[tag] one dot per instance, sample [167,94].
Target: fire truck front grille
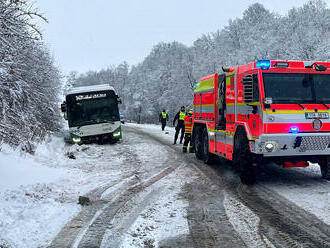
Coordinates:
[314,143]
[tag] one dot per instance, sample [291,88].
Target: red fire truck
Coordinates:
[265,111]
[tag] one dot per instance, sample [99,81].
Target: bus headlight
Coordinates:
[116,134]
[76,139]
[270,146]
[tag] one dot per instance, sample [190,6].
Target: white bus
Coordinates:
[93,115]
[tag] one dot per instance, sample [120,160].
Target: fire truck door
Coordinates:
[220,135]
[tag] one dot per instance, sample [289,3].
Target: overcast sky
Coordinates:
[90,35]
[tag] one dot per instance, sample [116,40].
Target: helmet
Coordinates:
[190,112]
[183,108]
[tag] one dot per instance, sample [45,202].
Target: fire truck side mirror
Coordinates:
[267,102]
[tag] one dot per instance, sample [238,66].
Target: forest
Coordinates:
[164,79]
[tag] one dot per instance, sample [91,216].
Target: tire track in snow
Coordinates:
[245,222]
[282,222]
[208,223]
[94,234]
[71,230]
[68,234]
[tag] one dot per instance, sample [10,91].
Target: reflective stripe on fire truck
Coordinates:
[207,108]
[232,134]
[292,112]
[289,118]
[205,91]
[222,131]
[221,136]
[244,104]
[206,85]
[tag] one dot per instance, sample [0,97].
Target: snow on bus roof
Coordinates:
[91,88]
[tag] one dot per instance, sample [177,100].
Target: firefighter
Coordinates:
[180,125]
[188,125]
[163,118]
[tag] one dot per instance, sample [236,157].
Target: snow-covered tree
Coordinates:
[165,77]
[29,81]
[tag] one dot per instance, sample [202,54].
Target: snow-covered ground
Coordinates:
[302,186]
[39,193]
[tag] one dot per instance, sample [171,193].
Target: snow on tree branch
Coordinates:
[29,81]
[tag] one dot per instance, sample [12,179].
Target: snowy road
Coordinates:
[145,193]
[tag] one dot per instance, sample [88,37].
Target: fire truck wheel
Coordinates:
[208,157]
[325,168]
[198,142]
[243,158]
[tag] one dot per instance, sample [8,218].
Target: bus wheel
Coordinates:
[243,158]
[208,157]
[198,143]
[325,168]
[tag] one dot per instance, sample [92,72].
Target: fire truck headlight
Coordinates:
[271,118]
[270,146]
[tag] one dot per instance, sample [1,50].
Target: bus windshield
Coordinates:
[92,108]
[297,87]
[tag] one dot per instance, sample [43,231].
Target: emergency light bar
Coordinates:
[263,64]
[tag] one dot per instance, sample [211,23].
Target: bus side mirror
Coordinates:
[63,107]
[119,100]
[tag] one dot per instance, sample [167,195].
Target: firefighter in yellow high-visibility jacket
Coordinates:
[188,125]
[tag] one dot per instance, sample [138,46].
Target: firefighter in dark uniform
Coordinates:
[163,118]
[188,125]
[180,125]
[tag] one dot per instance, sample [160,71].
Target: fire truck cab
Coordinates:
[265,111]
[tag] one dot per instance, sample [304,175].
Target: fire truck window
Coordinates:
[288,87]
[321,83]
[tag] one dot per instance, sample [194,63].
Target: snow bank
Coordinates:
[18,170]
[39,194]
[32,208]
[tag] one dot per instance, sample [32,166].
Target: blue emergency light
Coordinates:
[294,130]
[263,64]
